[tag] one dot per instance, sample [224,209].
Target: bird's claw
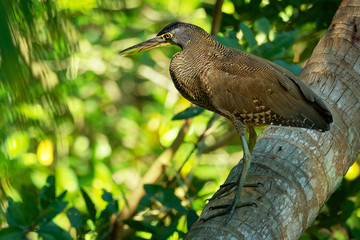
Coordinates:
[226,189]
[227,209]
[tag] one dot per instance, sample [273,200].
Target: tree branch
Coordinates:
[298,168]
[217,15]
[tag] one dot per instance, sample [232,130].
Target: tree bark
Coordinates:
[299,169]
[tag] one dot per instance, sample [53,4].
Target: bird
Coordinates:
[248,90]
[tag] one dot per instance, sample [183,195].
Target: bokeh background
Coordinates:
[81,125]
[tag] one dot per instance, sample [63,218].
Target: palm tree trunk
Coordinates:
[299,169]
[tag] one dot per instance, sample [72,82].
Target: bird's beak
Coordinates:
[155,42]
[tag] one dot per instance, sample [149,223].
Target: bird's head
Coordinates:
[177,33]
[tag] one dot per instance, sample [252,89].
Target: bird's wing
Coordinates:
[310,96]
[246,84]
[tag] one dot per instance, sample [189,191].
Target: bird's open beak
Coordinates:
[155,42]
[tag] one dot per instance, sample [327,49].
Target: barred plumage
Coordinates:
[227,81]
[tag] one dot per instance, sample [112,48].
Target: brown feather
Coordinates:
[237,84]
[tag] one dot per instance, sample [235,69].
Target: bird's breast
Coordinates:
[186,72]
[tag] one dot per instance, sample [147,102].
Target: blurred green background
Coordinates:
[81,125]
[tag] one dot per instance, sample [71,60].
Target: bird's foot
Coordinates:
[228,209]
[228,188]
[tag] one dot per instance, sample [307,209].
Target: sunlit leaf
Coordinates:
[45,152]
[66,178]
[77,5]
[353,172]
[17,144]
[33,111]
[262,25]
[30,158]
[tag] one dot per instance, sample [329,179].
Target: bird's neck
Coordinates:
[200,42]
[188,65]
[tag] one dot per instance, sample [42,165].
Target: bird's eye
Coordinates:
[167,36]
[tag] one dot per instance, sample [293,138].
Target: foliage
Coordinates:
[34,216]
[190,112]
[73,109]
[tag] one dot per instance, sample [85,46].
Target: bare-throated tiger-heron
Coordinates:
[248,90]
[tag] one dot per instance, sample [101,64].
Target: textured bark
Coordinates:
[299,169]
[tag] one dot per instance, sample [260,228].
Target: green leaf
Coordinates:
[192,217]
[51,211]
[188,113]
[75,217]
[89,205]
[112,206]
[197,183]
[12,233]
[61,196]
[47,193]
[292,67]
[262,25]
[347,209]
[165,196]
[140,226]
[353,223]
[14,214]
[29,204]
[248,35]
[51,231]
[277,48]
[285,40]
[160,232]
[337,199]
[230,40]
[163,233]
[354,187]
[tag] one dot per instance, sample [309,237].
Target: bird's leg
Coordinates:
[252,138]
[246,164]
[240,179]
[229,187]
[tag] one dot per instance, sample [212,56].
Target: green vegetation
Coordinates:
[80,125]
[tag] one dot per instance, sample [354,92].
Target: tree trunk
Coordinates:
[299,169]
